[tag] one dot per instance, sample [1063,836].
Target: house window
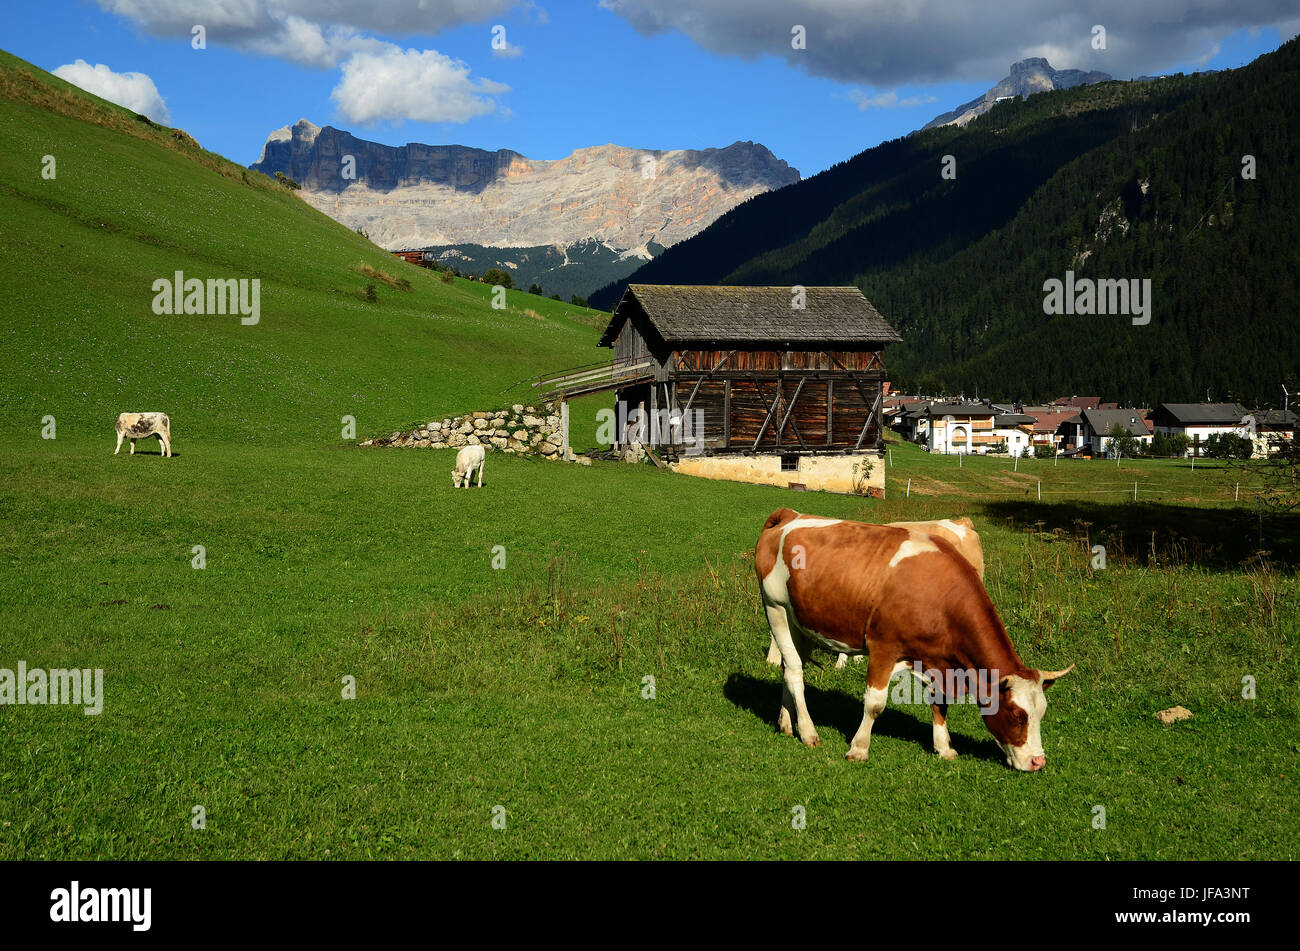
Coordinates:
[790,462]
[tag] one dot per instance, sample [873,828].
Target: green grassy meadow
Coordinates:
[524,686]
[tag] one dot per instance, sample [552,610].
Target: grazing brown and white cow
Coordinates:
[960,532]
[904,597]
[135,426]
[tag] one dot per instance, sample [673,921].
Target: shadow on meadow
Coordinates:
[1153,533]
[841,710]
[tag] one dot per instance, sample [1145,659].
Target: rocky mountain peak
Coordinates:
[419,195]
[1031,64]
[1026,77]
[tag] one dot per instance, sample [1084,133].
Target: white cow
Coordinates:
[135,426]
[467,460]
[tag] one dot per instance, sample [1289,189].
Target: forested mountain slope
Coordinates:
[1133,181]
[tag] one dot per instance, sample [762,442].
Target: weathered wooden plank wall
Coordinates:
[778,360]
[751,402]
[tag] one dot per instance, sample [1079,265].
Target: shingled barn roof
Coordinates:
[759,315]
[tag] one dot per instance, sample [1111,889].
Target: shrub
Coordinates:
[1163,447]
[1228,446]
[1122,442]
[494,275]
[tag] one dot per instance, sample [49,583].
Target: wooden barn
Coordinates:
[420,258]
[767,376]
[744,371]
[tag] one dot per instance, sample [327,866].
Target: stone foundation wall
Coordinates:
[522,430]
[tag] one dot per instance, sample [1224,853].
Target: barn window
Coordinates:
[790,462]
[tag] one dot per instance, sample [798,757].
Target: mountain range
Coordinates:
[445,197]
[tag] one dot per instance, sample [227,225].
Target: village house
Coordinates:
[969,427]
[1094,428]
[1273,428]
[960,427]
[912,422]
[1069,435]
[1046,427]
[1016,431]
[1077,403]
[1199,421]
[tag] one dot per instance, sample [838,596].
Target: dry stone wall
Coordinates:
[521,430]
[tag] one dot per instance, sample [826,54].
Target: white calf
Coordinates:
[467,460]
[135,426]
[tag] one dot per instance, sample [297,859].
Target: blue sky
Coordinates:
[672,74]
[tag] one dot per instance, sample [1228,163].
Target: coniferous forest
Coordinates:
[1190,181]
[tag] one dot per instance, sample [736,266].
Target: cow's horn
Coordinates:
[1046,676]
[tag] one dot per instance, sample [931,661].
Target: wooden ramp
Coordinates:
[593,378]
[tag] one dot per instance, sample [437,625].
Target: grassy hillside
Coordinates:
[132,202]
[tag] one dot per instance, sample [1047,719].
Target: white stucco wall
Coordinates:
[824,473]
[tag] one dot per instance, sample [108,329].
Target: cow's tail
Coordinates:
[779,518]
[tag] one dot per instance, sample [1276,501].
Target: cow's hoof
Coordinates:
[856,756]
[813,740]
[947,754]
[785,729]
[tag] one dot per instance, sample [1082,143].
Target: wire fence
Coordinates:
[1138,490]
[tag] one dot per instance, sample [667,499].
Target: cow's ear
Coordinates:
[1049,677]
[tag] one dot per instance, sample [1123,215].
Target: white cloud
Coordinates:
[423,85]
[316,33]
[309,44]
[135,91]
[886,100]
[888,43]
